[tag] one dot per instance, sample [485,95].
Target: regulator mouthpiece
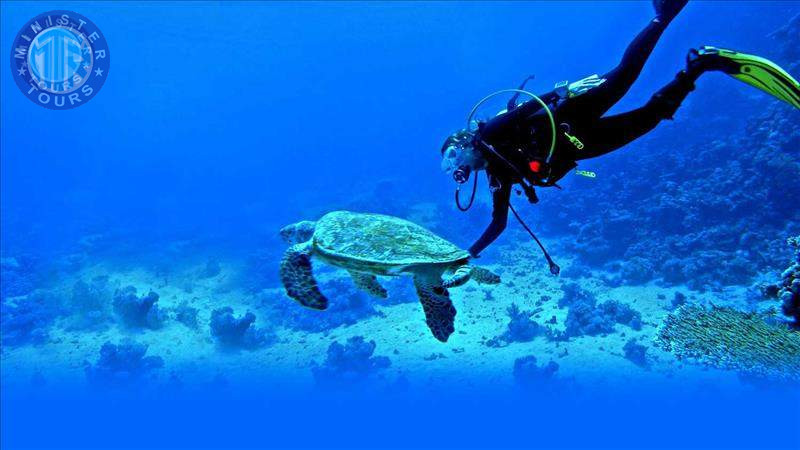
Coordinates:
[461,175]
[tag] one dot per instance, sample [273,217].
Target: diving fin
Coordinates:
[754,70]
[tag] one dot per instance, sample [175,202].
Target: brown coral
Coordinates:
[729,339]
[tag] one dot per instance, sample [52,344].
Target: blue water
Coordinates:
[220,123]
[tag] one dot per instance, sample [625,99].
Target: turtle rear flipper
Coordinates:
[368,283]
[298,279]
[440,313]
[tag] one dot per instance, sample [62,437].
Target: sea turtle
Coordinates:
[367,245]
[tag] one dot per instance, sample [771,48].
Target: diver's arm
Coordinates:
[500,200]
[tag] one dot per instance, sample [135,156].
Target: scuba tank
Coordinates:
[541,168]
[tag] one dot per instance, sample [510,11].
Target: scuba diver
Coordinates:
[537,142]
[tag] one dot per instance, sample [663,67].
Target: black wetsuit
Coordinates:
[524,132]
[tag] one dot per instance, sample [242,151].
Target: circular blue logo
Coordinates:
[60,59]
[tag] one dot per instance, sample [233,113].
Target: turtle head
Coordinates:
[459,275]
[297,233]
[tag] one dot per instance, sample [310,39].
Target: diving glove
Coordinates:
[753,70]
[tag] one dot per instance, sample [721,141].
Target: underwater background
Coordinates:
[141,303]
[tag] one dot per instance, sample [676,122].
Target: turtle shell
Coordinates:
[380,239]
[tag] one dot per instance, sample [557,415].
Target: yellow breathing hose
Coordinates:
[533,96]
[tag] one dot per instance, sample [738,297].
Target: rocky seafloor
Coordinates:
[197,324]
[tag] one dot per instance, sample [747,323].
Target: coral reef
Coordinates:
[528,374]
[138,312]
[636,270]
[350,362]
[572,294]
[621,314]
[186,315]
[730,339]
[521,328]
[122,365]
[26,319]
[240,332]
[587,317]
[90,304]
[17,276]
[636,353]
[678,300]
[582,319]
[789,292]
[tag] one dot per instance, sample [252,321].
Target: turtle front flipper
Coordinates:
[484,276]
[440,313]
[368,283]
[298,279]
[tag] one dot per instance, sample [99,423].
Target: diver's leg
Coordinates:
[597,101]
[610,133]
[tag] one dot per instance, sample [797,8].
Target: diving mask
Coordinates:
[455,161]
[457,156]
